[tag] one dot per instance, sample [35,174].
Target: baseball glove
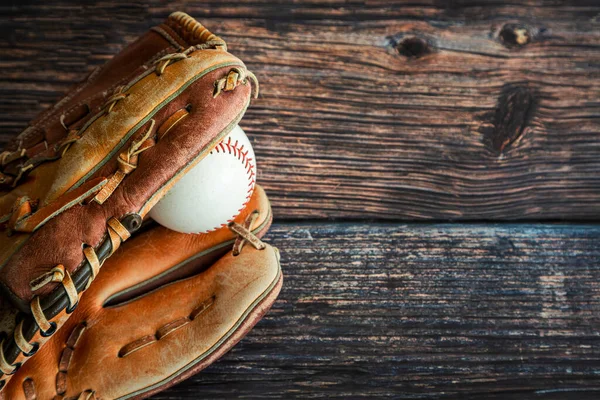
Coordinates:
[81,178]
[163,307]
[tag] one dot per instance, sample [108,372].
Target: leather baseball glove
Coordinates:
[163,307]
[81,178]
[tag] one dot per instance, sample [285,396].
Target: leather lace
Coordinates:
[117,233]
[244,235]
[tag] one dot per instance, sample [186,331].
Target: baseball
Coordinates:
[212,193]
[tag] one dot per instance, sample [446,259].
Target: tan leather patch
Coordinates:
[189,29]
[22,210]
[171,122]
[29,389]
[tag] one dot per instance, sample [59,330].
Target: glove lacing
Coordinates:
[245,235]
[117,233]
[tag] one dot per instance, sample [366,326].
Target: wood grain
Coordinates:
[382,109]
[422,311]
[391,110]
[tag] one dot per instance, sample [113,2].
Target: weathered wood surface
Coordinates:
[415,311]
[379,109]
[391,110]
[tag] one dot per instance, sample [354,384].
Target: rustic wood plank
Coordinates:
[380,109]
[422,311]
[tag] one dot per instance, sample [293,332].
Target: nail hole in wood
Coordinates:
[413,47]
[514,35]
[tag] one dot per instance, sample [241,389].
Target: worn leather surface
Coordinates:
[189,82]
[233,293]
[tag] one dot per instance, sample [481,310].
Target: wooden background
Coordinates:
[379,123]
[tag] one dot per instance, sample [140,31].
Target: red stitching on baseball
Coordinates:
[239,153]
[233,149]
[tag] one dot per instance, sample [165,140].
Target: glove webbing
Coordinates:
[116,234]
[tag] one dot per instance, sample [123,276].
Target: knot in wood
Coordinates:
[514,110]
[514,35]
[413,47]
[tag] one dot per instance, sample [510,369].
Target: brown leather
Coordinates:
[49,181]
[140,346]
[75,146]
[157,170]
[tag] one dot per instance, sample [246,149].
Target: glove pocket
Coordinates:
[164,336]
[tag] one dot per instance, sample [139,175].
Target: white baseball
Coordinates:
[214,191]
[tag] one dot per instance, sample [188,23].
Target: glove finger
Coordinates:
[160,255]
[167,335]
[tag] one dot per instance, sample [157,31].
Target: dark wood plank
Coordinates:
[380,109]
[420,311]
